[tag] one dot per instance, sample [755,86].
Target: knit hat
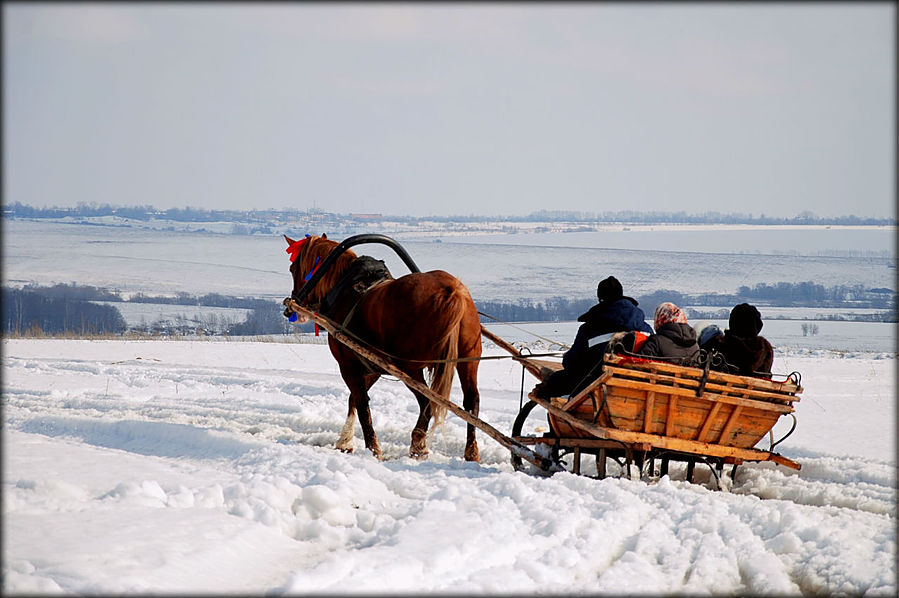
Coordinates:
[745,321]
[707,332]
[609,289]
[667,313]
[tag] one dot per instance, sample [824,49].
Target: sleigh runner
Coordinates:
[636,410]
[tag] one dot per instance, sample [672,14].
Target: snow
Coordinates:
[207,466]
[163,262]
[144,315]
[716,238]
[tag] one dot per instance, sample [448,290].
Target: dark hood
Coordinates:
[682,334]
[622,314]
[604,307]
[745,321]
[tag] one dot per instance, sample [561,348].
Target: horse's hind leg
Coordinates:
[471,400]
[419,447]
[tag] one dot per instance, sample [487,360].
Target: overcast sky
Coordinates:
[453,109]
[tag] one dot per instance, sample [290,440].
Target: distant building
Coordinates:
[366,216]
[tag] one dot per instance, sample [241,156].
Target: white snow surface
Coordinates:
[132,260]
[198,466]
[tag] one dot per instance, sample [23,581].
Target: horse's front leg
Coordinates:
[345,441]
[362,408]
[358,405]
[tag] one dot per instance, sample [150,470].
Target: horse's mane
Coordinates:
[319,247]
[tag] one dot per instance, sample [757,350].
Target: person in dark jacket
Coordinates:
[674,340]
[709,336]
[743,349]
[582,363]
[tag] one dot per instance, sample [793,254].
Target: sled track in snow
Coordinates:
[272,429]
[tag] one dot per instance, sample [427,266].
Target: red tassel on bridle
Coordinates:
[294,248]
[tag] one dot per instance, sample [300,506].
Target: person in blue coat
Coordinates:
[582,363]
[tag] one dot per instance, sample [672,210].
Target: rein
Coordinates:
[294,307]
[293,304]
[543,338]
[318,273]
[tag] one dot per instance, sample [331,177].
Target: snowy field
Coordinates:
[209,467]
[162,262]
[797,240]
[142,315]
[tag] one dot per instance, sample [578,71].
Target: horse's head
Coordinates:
[306,255]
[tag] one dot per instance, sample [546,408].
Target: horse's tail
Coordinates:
[451,309]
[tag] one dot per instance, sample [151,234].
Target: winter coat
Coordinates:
[599,324]
[582,363]
[749,355]
[675,342]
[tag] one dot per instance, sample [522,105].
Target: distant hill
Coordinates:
[262,217]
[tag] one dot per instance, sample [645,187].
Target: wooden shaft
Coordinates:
[517,448]
[533,368]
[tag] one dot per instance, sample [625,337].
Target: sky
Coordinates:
[453,109]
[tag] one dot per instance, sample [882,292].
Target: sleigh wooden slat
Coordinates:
[660,398]
[694,412]
[717,382]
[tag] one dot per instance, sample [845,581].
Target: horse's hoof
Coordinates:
[419,448]
[345,449]
[472,454]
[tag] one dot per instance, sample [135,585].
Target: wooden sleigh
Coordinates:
[637,409]
[640,410]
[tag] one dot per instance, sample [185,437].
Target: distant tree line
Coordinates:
[781,294]
[810,294]
[75,309]
[30,312]
[207,300]
[188,214]
[635,217]
[74,292]
[784,294]
[91,293]
[554,309]
[268,319]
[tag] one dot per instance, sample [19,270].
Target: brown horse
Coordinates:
[424,320]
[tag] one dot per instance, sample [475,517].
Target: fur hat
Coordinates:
[745,320]
[668,313]
[609,289]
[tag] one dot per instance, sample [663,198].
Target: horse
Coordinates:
[421,321]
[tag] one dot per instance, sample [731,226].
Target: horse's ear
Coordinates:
[324,235]
[289,240]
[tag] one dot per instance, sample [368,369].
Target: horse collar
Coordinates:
[364,273]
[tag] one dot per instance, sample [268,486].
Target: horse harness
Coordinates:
[364,274]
